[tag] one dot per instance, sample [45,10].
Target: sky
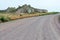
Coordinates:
[50,5]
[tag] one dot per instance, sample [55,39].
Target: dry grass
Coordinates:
[18,16]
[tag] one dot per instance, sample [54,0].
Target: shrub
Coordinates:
[0,20]
[20,14]
[4,19]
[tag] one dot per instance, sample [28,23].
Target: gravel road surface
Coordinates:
[35,28]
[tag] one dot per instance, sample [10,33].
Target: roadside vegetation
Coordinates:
[5,17]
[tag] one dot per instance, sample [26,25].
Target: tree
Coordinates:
[10,9]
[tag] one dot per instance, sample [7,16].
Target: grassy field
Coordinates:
[4,17]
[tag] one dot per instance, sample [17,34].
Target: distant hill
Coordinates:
[28,9]
[24,9]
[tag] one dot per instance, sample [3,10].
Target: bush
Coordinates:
[0,20]
[4,19]
[20,14]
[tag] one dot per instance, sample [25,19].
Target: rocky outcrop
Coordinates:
[24,9]
[29,9]
[41,10]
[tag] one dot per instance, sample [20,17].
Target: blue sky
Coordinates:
[51,5]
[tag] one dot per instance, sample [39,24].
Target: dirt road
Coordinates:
[35,28]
